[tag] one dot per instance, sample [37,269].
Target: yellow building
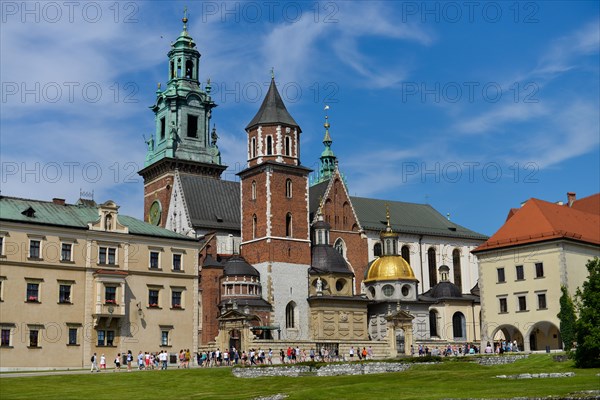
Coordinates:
[78,279]
[541,247]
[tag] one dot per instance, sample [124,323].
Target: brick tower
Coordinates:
[274,209]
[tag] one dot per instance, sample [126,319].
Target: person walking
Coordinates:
[94,361]
[118,362]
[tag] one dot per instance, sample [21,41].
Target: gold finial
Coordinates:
[158,85]
[185,18]
[272,72]
[326,125]
[387,214]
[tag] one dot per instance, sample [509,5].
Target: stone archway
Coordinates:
[509,333]
[544,336]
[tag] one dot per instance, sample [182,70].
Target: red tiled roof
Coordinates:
[590,204]
[539,220]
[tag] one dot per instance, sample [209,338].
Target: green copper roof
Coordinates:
[75,216]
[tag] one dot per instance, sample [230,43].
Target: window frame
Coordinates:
[521,303]
[10,330]
[110,254]
[70,297]
[503,305]
[519,273]
[34,337]
[542,301]
[39,249]
[154,260]
[153,297]
[62,252]
[180,267]
[539,270]
[174,305]
[108,290]
[500,271]
[30,296]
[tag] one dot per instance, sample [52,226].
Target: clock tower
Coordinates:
[182,142]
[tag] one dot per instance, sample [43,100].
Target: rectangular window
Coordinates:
[162,128]
[72,336]
[153,298]
[541,301]
[503,305]
[176,262]
[33,337]
[522,303]
[154,257]
[101,338]
[520,272]
[110,338]
[192,126]
[501,277]
[5,338]
[164,338]
[33,292]
[539,270]
[107,255]
[64,294]
[1,245]
[176,299]
[66,252]
[106,338]
[110,294]
[34,249]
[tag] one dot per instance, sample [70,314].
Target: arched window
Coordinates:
[377,250]
[179,67]
[254,226]
[288,188]
[253,148]
[172,69]
[406,253]
[269,145]
[456,267]
[458,325]
[288,225]
[288,147]
[432,267]
[253,190]
[189,69]
[339,246]
[433,316]
[290,311]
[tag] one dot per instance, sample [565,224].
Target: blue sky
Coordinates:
[472,107]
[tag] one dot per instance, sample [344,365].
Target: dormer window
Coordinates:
[29,213]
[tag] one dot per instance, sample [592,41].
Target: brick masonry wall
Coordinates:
[210,278]
[159,189]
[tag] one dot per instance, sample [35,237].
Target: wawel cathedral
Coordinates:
[287,256]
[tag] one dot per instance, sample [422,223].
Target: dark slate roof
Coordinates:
[444,290]
[75,216]
[212,203]
[209,261]
[326,259]
[272,110]
[408,218]
[237,266]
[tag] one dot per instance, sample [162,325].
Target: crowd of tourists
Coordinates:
[147,361]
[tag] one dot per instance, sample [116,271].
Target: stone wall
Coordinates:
[500,360]
[327,370]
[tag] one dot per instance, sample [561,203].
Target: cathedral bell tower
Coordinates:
[182,140]
[274,209]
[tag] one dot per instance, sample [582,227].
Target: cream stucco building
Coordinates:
[78,279]
[541,247]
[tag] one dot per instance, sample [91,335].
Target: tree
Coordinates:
[567,319]
[588,324]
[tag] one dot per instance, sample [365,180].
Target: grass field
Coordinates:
[441,381]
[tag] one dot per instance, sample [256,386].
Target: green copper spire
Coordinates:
[183,110]
[328,160]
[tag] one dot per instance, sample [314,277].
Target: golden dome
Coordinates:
[388,268]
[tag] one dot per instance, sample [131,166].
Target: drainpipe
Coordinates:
[421,261]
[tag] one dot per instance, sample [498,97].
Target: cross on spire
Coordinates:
[185,18]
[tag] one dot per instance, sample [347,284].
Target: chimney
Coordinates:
[59,202]
[571,197]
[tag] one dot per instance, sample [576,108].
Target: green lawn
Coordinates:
[445,380]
